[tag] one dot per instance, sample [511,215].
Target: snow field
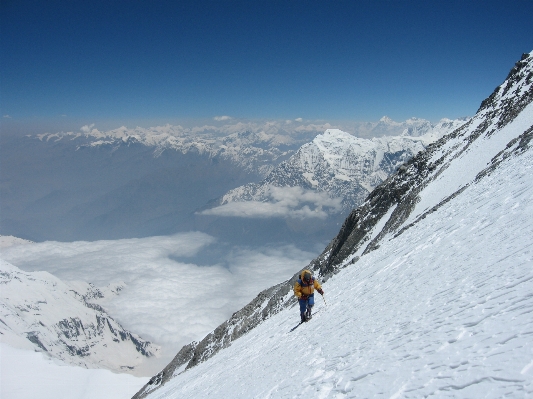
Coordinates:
[443,310]
[465,168]
[29,375]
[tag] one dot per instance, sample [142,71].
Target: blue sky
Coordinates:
[161,61]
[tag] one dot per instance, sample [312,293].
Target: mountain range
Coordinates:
[428,281]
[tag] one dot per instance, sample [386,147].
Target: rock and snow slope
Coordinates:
[428,283]
[40,312]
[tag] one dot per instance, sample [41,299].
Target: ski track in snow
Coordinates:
[443,310]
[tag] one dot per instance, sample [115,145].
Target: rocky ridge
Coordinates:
[391,208]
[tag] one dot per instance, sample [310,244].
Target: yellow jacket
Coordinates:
[301,288]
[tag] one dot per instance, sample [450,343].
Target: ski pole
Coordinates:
[324,299]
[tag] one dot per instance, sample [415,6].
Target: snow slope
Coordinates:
[29,375]
[428,284]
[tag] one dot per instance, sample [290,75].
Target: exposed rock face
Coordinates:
[402,189]
[39,311]
[176,366]
[391,208]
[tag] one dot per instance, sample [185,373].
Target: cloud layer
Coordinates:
[166,298]
[285,202]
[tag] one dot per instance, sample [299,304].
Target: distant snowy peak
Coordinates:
[341,165]
[40,312]
[417,127]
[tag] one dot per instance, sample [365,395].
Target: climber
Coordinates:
[304,289]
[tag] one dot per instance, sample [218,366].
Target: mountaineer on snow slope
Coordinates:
[304,289]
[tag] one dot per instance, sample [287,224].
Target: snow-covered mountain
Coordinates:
[42,313]
[28,375]
[342,165]
[428,284]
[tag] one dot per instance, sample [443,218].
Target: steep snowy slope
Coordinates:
[435,313]
[40,312]
[341,165]
[429,284]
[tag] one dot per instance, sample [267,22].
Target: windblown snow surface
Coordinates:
[444,309]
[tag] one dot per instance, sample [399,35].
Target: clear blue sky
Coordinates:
[92,61]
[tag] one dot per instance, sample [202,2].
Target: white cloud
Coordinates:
[299,120]
[222,118]
[7,116]
[87,128]
[285,202]
[167,299]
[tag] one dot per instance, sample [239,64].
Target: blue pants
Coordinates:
[304,303]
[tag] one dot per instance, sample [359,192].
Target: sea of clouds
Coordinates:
[170,297]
